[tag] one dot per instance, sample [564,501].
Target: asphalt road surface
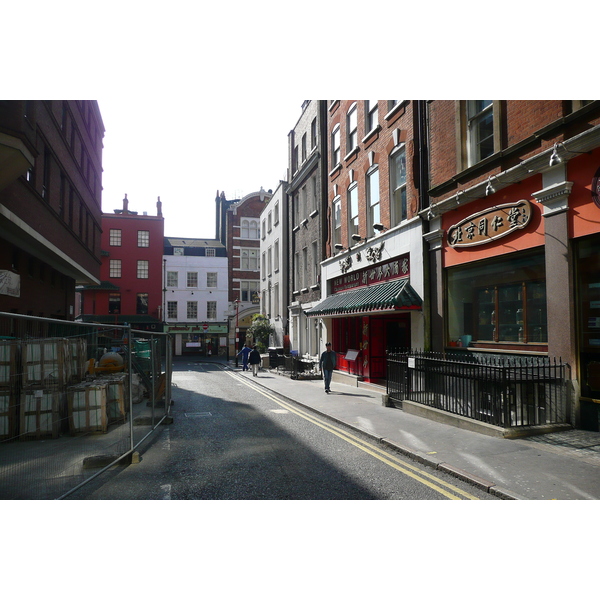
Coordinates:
[233,440]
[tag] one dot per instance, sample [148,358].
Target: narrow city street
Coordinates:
[231,439]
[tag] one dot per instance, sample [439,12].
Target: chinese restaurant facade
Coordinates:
[516,264]
[374,301]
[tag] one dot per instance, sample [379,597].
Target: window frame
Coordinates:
[475,117]
[191,310]
[143,241]
[336,150]
[371,115]
[353,210]
[172,314]
[212,277]
[251,258]
[115,268]
[371,207]
[399,213]
[172,276]
[143,269]
[336,220]
[352,128]
[191,279]
[115,237]
[211,315]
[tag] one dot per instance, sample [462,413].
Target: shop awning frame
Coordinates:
[397,295]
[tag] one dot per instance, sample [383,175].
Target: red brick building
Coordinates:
[238,229]
[131,273]
[373,282]
[50,210]
[513,234]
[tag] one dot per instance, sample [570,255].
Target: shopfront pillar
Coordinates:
[560,293]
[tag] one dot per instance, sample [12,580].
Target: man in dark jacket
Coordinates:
[327,364]
[254,360]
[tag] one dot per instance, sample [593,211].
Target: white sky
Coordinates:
[186,148]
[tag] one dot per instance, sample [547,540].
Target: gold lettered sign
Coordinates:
[489,225]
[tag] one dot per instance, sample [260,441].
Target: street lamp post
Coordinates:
[237,339]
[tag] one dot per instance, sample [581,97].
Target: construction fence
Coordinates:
[76,399]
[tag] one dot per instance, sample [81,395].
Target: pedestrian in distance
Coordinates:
[255,360]
[245,352]
[327,364]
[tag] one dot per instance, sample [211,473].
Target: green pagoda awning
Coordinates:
[383,297]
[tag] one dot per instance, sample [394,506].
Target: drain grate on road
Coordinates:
[198,414]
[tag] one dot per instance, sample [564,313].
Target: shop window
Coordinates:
[141,304]
[114,304]
[509,308]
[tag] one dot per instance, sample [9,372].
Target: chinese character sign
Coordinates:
[490,224]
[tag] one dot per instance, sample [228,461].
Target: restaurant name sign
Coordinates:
[490,224]
[393,269]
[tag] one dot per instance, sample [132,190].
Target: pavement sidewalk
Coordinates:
[560,466]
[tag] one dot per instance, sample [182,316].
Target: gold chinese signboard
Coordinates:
[490,224]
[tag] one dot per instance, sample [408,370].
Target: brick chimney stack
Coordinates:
[125,205]
[159,208]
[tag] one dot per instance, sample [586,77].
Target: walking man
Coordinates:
[327,364]
[245,352]
[255,361]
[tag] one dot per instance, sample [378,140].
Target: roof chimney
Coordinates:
[159,208]
[125,205]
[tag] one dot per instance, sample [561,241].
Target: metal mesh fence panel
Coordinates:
[75,398]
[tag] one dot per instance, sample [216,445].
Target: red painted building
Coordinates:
[514,235]
[131,272]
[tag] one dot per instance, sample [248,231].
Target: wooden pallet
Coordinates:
[39,413]
[87,408]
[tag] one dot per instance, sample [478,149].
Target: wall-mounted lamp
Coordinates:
[489,188]
[379,227]
[554,157]
[356,238]
[339,247]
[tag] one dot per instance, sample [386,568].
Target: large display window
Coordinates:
[589,315]
[498,302]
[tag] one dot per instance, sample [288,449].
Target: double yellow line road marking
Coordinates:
[445,489]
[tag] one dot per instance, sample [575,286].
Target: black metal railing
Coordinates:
[503,391]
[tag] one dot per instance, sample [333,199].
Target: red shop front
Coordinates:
[368,313]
